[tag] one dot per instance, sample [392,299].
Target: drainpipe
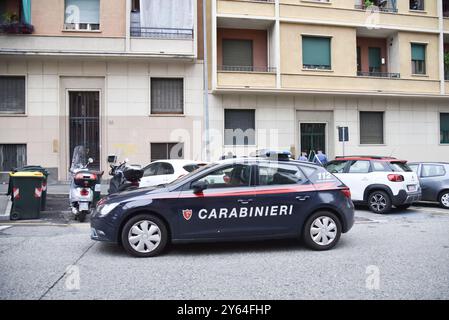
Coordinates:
[206,85]
[441,46]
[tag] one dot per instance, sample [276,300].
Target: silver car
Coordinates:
[434,179]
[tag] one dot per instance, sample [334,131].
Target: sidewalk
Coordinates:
[60,188]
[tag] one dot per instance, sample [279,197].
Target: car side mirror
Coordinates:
[112,159]
[198,186]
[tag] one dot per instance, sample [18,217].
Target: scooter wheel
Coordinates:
[82,216]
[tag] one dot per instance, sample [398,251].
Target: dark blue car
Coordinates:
[235,199]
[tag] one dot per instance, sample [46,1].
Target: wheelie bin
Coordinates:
[26,194]
[44,183]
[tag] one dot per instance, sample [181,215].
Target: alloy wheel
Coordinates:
[378,202]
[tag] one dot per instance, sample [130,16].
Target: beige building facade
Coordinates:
[379,72]
[103,74]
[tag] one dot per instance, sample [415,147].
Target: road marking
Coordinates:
[4,227]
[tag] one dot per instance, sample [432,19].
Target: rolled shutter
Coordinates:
[88,11]
[238,53]
[316,51]
[374,58]
[12,94]
[371,128]
[418,52]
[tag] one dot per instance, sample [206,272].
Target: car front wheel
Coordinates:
[379,202]
[322,231]
[144,236]
[444,199]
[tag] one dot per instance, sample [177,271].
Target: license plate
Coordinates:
[84,206]
[411,188]
[98,188]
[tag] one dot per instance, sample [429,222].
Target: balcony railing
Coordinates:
[378,74]
[381,8]
[247,69]
[161,33]
[16,28]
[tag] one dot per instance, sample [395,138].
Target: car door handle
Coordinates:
[302,198]
[245,201]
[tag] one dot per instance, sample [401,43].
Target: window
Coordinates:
[359,166]
[240,127]
[400,167]
[431,170]
[167,96]
[280,174]
[374,59]
[157,169]
[82,15]
[165,151]
[359,59]
[371,127]
[12,95]
[444,128]
[414,167]
[417,5]
[379,166]
[336,166]
[418,58]
[316,53]
[12,156]
[237,55]
[234,176]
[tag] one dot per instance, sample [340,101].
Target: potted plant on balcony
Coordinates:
[11,24]
[446,65]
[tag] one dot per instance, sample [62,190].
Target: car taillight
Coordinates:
[135,183]
[396,177]
[84,192]
[346,192]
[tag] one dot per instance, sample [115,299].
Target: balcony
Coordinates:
[377,5]
[261,8]
[378,74]
[15,17]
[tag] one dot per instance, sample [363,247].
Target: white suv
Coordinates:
[379,182]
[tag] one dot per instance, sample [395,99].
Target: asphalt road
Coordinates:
[402,255]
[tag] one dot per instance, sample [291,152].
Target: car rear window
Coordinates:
[191,167]
[400,167]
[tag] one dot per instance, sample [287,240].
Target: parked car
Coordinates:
[166,171]
[434,180]
[379,182]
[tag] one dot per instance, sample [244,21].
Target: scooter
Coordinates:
[84,184]
[125,177]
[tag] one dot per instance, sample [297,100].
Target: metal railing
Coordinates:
[381,9]
[247,69]
[378,74]
[161,33]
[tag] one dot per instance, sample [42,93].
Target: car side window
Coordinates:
[280,174]
[165,168]
[379,166]
[151,170]
[359,166]
[234,176]
[336,166]
[431,170]
[414,167]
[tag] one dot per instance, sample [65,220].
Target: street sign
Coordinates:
[343,134]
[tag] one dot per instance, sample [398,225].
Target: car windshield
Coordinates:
[187,176]
[400,167]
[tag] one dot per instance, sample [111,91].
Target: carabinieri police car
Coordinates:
[264,197]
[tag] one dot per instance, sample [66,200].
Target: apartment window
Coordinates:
[418,58]
[371,128]
[167,95]
[316,52]
[444,128]
[82,15]
[12,95]
[12,156]
[237,55]
[166,151]
[375,60]
[240,127]
[359,59]
[417,5]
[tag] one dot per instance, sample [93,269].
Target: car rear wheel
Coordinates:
[322,231]
[444,199]
[144,236]
[379,202]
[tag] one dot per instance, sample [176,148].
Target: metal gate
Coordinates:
[84,122]
[313,137]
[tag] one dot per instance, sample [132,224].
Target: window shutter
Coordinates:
[12,156]
[88,10]
[12,94]
[374,57]
[167,95]
[444,127]
[238,53]
[240,119]
[371,128]
[316,51]
[418,52]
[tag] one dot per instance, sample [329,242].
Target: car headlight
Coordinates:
[106,209]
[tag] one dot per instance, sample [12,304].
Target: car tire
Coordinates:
[403,206]
[144,236]
[311,231]
[443,199]
[379,202]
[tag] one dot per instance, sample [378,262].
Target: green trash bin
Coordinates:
[26,194]
[44,183]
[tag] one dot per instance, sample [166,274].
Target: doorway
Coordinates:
[84,124]
[313,137]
